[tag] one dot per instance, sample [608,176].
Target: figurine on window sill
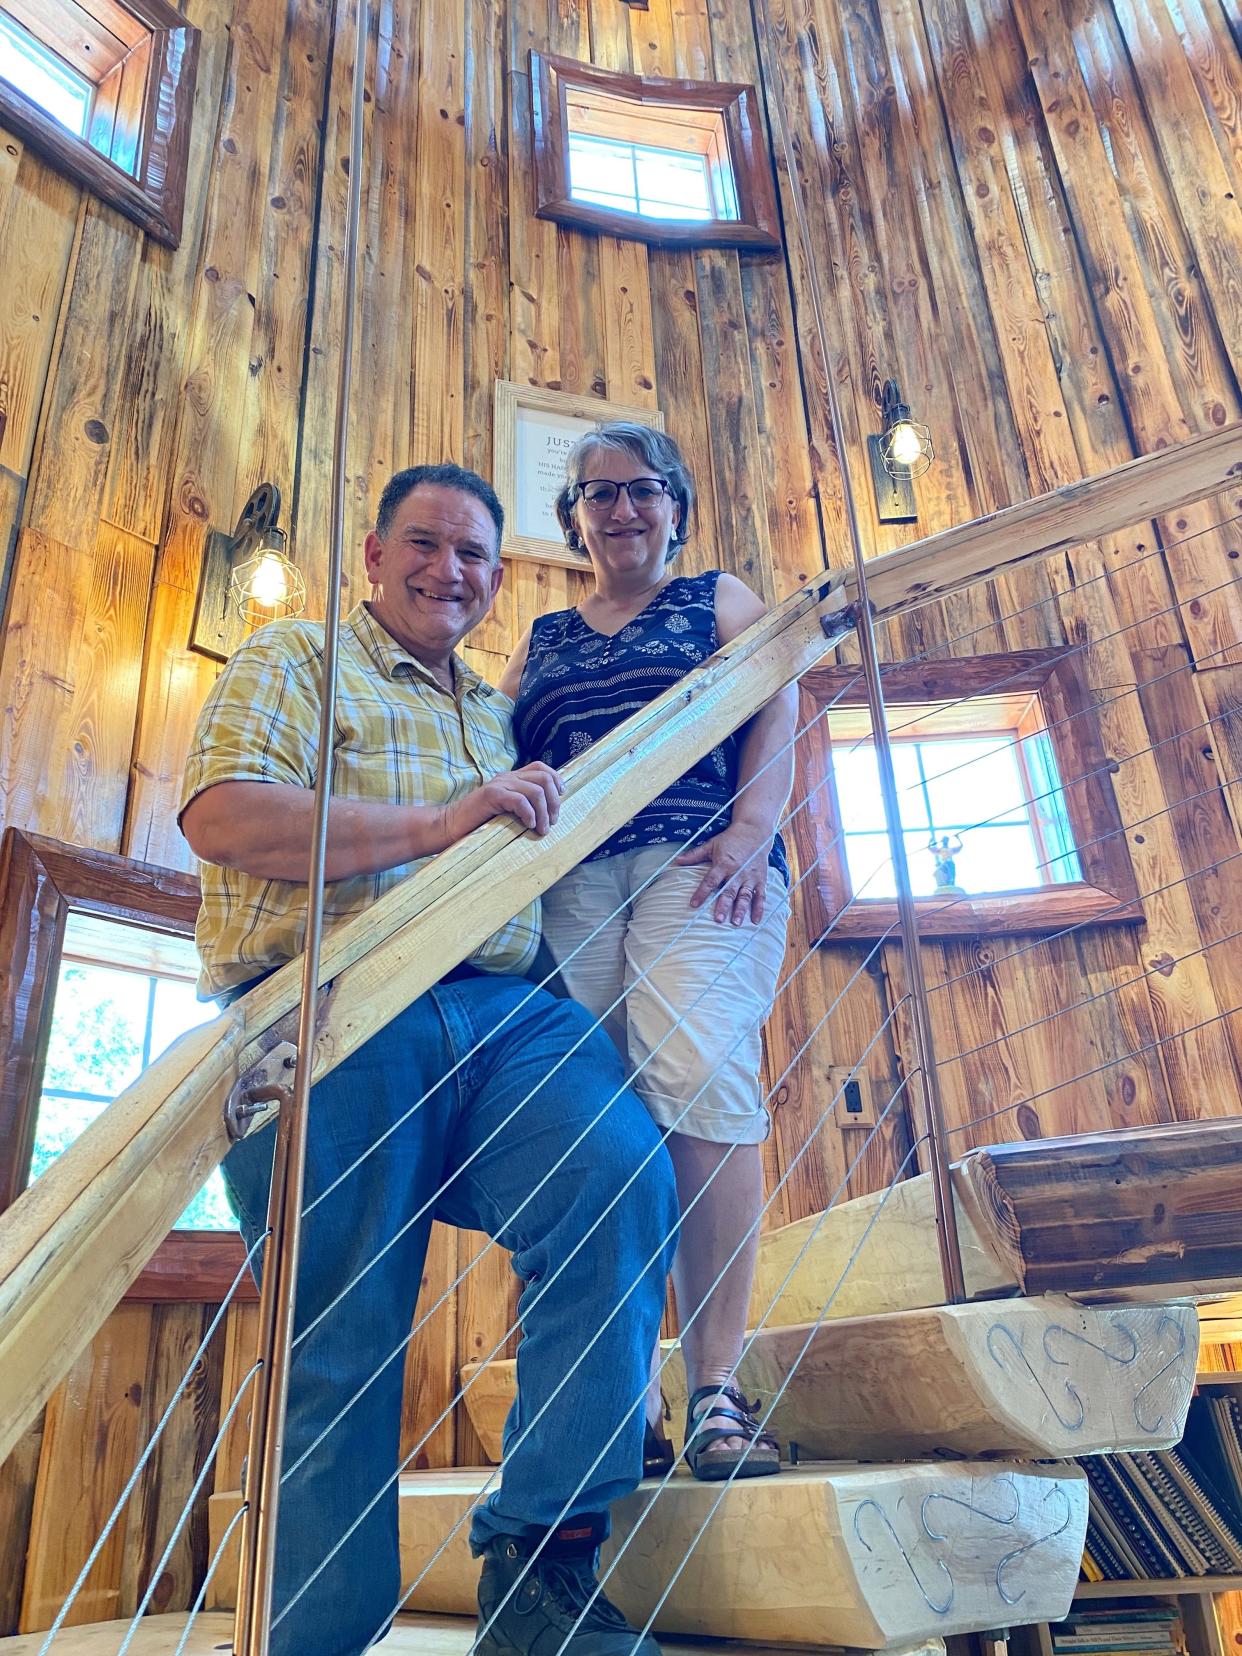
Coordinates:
[944,852]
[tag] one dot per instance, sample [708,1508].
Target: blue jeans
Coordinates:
[535,1190]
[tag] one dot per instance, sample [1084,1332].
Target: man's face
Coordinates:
[434,574]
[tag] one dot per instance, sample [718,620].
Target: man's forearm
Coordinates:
[264,828]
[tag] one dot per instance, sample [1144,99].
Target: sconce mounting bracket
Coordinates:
[217,628]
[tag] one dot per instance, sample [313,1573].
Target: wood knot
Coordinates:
[1163,963]
[96,430]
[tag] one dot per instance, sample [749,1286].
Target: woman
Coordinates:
[676,951]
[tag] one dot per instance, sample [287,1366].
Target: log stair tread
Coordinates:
[868,1556]
[1044,1378]
[410,1635]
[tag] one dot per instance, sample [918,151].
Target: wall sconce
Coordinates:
[902,451]
[246,579]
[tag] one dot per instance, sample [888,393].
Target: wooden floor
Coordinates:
[212,1635]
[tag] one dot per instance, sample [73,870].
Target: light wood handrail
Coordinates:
[70,1246]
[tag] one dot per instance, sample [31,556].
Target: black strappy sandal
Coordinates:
[760,1458]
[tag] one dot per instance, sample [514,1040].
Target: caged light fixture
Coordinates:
[901,452]
[247,579]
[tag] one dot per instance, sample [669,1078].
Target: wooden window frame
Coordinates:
[1108,893]
[144,173]
[554,79]
[41,883]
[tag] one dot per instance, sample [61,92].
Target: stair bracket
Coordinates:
[261,1091]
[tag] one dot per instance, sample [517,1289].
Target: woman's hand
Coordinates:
[735,871]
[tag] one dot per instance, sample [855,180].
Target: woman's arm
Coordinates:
[511,678]
[736,858]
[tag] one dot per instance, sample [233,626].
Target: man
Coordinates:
[423,754]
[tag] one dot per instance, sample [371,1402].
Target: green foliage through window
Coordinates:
[107,1026]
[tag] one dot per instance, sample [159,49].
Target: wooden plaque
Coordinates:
[535,430]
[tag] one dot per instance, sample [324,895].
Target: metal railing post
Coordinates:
[252,1630]
[925,1055]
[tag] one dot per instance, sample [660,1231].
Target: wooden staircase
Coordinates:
[411,1635]
[869,1542]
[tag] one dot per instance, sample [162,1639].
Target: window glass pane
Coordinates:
[998,859]
[639,178]
[602,166]
[1050,809]
[103,1019]
[870,867]
[980,793]
[98,1023]
[673,182]
[973,779]
[47,81]
[858,786]
[177,1008]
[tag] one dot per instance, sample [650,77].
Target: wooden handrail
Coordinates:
[71,1245]
[1145,488]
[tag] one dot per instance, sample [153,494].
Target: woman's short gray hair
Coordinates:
[651,448]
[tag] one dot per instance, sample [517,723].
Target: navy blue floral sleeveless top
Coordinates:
[578,683]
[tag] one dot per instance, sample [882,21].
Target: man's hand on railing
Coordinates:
[532,795]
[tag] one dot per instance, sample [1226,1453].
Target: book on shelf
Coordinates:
[1170,1514]
[1153,1630]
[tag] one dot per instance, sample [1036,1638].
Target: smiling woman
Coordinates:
[674,929]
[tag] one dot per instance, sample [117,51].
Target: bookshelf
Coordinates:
[1158,1587]
[1193,1595]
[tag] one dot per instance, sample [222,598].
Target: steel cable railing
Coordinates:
[149,1449]
[1173,807]
[1034,799]
[547,1283]
[1115,988]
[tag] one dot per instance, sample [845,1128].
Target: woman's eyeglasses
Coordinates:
[601,495]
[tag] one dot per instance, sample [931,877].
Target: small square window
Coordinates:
[1008,820]
[657,160]
[104,91]
[46,79]
[1023,839]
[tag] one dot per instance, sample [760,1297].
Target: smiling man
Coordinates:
[487,1103]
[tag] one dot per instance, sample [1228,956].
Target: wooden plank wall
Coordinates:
[1029,214]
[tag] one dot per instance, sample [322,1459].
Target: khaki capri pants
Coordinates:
[691,995]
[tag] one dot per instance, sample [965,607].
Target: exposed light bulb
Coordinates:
[905,446]
[269,585]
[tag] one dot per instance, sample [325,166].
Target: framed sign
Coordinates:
[534,431]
